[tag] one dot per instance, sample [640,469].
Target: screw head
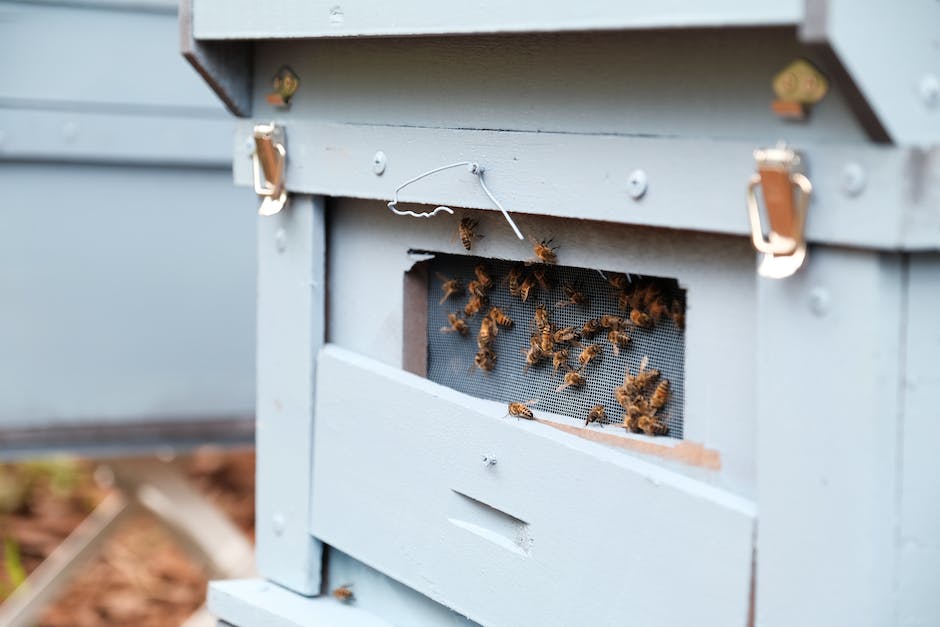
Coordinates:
[929,90]
[853,179]
[489,460]
[637,184]
[379,161]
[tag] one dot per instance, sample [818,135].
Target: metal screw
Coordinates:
[280,240]
[853,179]
[636,184]
[929,89]
[379,161]
[819,301]
[489,460]
[278,523]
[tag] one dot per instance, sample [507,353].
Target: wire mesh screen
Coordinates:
[506,376]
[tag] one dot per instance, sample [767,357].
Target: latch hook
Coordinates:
[786,192]
[268,162]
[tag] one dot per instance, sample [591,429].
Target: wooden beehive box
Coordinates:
[788,483]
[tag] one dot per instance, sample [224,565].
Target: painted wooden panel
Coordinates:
[828,405]
[291,292]
[555,519]
[919,431]
[253,19]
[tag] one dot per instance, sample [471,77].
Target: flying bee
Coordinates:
[651,426]
[521,410]
[678,315]
[613,323]
[660,396]
[488,331]
[573,296]
[450,287]
[568,335]
[466,231]
[535,354]
[476,289]
[657,309]
[541,317]
[486,281]
[618,340]
[499,317]
[343,594]
[559,359]
[526,287]
[590,352]
[572,379]
[547,343]
[590,328]
[485,359]
[473,306]
[544,251]
[514,279]
[457,325]
[641,319]
[595,415]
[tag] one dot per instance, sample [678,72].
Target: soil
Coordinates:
[141,577]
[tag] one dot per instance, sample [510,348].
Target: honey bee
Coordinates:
[590,352]
[546,340]
[526,287]
[568,335]
[631,423]
[486,281]
[535,354]
[595,415]
[572,379]
[632,386]
[618,281]
[473,306]
[450,287]
[542,278]
[466,231]
[641,319]
[476,289]
[541,317]
[638,406]
[544,251]
[590,328]
[623,301]
[613,323]
[343,594]
[651,426]
[618,340]
[485,359]
[457,325]
[573,296]
[649,294]
[559,359]
[678,315]
[499,317]
[657,309]
[488,331]
[521,410]
[514,279]
[660,396]
[643,376]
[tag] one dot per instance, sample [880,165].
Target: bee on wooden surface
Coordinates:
[488,331]
[525,288]
[614,323]
[641,319]
[450,287]
[657,309]
[473,306]
[343,594]
[568,335]
[559,359]
[541,317]
[467,232]
[514,280]
[590,328]
[535,354]
[678,315]
[457,325]
[660,395]
[572,379]
[499,317]
[485,280]
[573,296]
[542,277]
[544,251]
[476,289]
[618,340]
[589,353]
[485,359]
[595,415]
[521,410]
[547,343]
[652,426]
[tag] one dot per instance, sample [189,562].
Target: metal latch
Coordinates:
[786,192]
[268,162]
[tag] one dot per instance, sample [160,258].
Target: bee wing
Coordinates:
[644,363]
[531,402]
[561,387]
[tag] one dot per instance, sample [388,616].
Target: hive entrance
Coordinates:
[451,355]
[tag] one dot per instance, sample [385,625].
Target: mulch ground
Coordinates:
[141,577]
